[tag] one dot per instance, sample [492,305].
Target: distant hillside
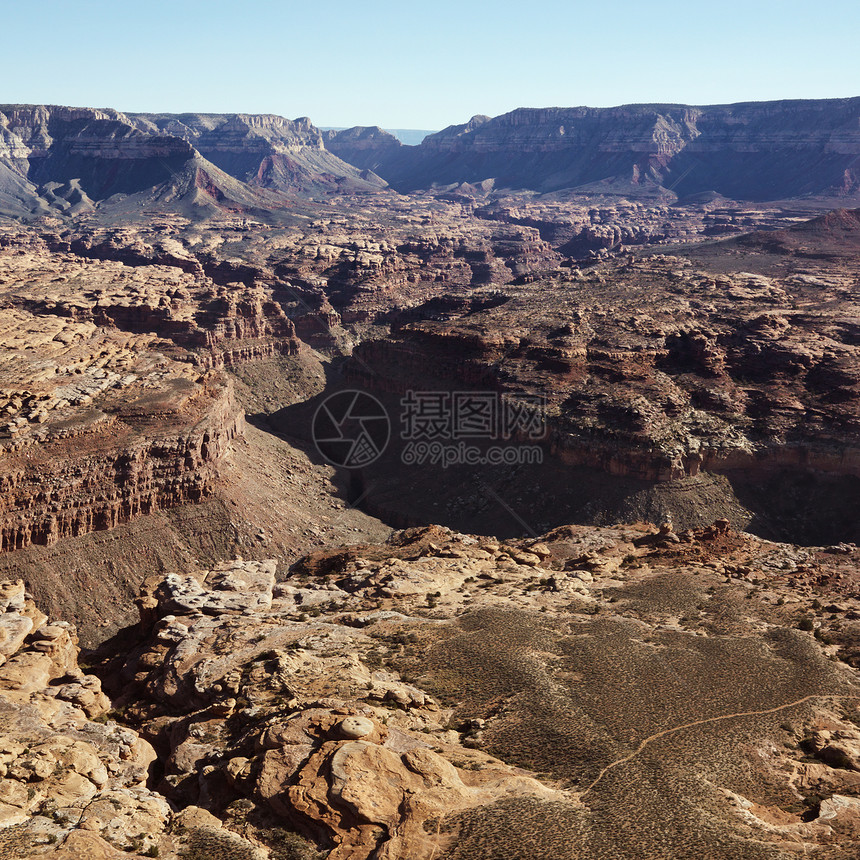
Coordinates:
[750,151]
[61,160]
[70,161]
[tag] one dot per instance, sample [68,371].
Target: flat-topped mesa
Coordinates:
[747,151]
[36,117]
[62,143]
[637,128]
[226,132]
[263,150]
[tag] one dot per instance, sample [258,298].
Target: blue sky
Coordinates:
[423,66]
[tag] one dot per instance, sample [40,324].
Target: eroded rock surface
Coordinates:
[397,700]
[593,692]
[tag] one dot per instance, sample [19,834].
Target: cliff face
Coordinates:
[656,372]
[750,151]
[71,160]
[112,401]
[101,149]
[126,464]
[660,392]
[264,150]
[365,147]
[66,160]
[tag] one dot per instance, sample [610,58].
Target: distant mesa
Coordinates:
[756,151]
[365,147]
[67,161]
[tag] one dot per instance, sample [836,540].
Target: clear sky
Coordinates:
[429,65]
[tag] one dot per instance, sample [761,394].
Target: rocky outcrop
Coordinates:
[64,765]
[369,279]
[583,227]
[265,150]
[100,426]
[319,748]
[73,782]
[366,707]
[737,374]
[397,700]
[364,147]
[219,309]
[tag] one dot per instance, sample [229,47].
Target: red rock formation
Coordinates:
[749,151]
[164,453]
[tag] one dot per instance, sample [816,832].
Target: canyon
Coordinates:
[216,641]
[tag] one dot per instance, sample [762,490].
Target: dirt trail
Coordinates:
[665,732]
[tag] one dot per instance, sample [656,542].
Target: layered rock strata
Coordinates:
[746,151]
[70,161]
[657,370]
[104,418]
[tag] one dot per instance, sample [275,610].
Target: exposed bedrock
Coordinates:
[748,151]
[654,373]
[71,160]
[113,402]
[127,464]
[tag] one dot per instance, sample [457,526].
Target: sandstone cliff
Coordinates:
[652,370]
[106,416]
[264,150]
[365,147]
[60,160]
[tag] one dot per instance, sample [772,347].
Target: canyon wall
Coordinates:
[117,469]
[747,151]
[656,373]
[60,160]
[113,401]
